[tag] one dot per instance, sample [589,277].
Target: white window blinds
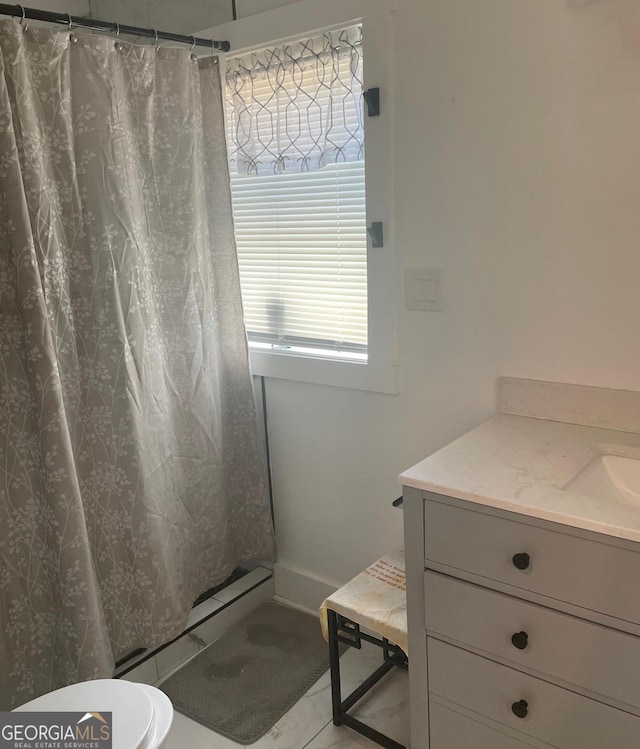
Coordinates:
[294,125]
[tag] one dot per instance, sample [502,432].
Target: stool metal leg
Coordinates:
[340,707]
[334,665]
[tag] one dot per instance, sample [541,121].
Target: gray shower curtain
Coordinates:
[131,475]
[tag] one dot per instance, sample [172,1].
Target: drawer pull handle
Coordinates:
[520,640]
[521,561]
[520,708]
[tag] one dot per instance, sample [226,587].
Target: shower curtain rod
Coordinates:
[117,28]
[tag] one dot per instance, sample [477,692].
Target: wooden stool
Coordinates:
[374,600]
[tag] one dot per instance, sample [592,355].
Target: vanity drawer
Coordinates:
[596,658]
[560,566]
[557,716]
[451,730]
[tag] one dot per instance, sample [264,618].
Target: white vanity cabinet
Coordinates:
[522,632]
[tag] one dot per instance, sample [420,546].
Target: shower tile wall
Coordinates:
[167,660]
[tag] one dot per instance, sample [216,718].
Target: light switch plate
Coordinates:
[423,289]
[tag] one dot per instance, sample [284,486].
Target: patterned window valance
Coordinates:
[297,107]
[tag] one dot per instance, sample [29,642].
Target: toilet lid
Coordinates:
[162,714]
[130,704]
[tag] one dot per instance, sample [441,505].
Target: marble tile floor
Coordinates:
[308,723]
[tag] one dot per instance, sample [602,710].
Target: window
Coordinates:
[296,150]
[333,350]
[302,251]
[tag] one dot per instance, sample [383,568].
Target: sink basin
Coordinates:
[609,477]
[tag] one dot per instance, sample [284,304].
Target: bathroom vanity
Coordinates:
[522,545]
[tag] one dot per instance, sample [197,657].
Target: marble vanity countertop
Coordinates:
[522,464]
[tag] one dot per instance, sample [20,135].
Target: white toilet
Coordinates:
[142,715]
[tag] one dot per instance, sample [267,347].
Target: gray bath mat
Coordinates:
[244,682]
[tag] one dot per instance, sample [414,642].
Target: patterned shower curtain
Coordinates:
[131,474]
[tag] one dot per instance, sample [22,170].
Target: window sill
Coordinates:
[377,378]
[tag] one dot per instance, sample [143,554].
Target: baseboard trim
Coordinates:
[301,589]
[296,606]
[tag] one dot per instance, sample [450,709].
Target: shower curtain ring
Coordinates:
[24,18]
[117,43]
[69,22]
[155,41]
[193,43]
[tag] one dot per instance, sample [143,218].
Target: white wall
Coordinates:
[570,173]
[181,16]
[517,152]
[73,7]
[251,7]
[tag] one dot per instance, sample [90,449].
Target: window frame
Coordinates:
[310,17]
